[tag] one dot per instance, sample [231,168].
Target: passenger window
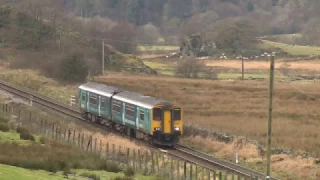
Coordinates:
[93,99]
[83,97]
[141,115]
[177,114]
[157,114]
[103,103]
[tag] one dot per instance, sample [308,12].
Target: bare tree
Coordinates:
[193,68]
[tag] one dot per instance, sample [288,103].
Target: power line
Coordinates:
[295,88]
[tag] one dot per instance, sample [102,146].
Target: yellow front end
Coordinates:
[167,124]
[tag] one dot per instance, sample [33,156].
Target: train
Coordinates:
[157,121]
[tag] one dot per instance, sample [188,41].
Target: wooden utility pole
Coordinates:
[242,68]
[102,57]
[270,115]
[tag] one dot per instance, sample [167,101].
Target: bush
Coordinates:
[66,171]
[123,178]
[110,167]
[43,140]
[129,172]
[4,127]
[25,134]
[90,175]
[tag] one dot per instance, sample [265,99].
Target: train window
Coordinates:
[103,103]
[116,106]
[176,114]
[157,114]
[130,111]
[83,96]
[142,115]
[93,99]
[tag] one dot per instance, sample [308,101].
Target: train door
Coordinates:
[167,121]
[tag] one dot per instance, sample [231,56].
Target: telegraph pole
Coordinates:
[102,57]
[270,115]
[242,67]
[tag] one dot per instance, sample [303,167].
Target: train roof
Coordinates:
[100,89]
[125,96]
[140,99]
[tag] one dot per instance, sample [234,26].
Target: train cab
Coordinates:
[167,124]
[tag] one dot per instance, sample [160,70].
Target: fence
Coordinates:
[147,162]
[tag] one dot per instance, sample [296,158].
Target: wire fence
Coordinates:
[147,162]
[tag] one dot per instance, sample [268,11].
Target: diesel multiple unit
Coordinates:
[140,116]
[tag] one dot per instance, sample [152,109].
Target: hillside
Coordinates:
[33,39]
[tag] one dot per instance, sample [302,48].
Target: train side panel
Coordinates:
[130,114]
[144,122]
[105,109]
[83,100]
[117,110]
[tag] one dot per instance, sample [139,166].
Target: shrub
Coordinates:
[22,129]
[4,120]
[110,167]
[129,172]
[4,127]
[27,136]
[66,171]
[90,175]
[123,178]
[43,140]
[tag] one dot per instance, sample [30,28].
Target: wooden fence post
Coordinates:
[209,175]
[190,171]
[196,172]
[95,145]
[100,149]
[178,170]
[74,137]
[139,159]
[134,160]
[146,163]
[185,170]
[107,151]
[128,157]
[152,162]
[172,169]
[220,175]
[113,149]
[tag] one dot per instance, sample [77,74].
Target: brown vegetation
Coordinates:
[237,107]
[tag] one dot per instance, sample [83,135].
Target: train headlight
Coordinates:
[176,128]
[157,129]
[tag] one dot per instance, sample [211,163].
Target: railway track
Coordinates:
[180,151]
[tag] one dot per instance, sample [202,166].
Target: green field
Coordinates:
[290,49]
[16,173]
[158,48]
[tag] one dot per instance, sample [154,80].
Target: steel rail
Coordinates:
[179,151]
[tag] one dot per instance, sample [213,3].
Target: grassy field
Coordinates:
[290,49]
[16,173]
[238,107]
[158,48]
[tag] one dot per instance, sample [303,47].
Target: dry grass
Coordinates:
[237,107]
[283,166]
[264,65]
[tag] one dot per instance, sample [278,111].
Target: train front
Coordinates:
[167,124]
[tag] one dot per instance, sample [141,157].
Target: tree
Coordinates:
[311,32]
[134,12]
[73,68]
[123,37]
[250,6]
[235,35]
[181,9]
[191,68]
[148,34]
